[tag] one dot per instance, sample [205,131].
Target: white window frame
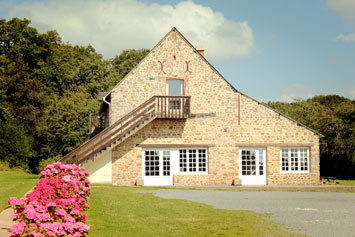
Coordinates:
[187,172]
[161,162]
[299,171]
[175,161]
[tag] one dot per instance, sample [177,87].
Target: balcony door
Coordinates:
[174,88]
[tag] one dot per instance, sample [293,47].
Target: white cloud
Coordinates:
[298,91]
[294,92]
[111,26]
[346,38]
[348,92]
[345,8]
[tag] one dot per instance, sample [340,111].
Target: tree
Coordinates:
[22,50]
[76,68]
[66,119]
[127,60]
[47,91]
[16,145]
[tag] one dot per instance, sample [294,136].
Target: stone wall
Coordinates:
[262,126]
[216,120]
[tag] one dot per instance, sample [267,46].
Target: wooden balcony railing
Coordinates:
[172,107]
[175,107]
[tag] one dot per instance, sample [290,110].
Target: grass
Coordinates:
[15,183]
[346,182]
[121,211]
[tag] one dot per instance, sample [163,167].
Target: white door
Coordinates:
[252,166]
[174,88]
[156,167]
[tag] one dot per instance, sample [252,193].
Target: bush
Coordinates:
[4,166]
[44,163]
[56,206]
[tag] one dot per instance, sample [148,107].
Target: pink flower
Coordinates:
[69,227]
[31,214]
[69,219]
[44,217]
[50,233]
[18,229]
[75,211]
[15,216]
[37,234]
[60,212]
[15,201]
[51,204]
[67,178]
[12,201]
[78,234]
[41,209]
[81,227]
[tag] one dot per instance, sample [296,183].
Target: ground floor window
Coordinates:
[193,160]
[294,160]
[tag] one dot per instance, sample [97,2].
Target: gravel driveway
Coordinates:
[311,213]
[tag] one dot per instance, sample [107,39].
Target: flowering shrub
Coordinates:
[56,206]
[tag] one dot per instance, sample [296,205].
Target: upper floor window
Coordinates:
[174,87]
[294,160]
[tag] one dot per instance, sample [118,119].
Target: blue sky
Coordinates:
[269,50]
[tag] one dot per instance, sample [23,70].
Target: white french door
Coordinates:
[252,166]
[157,167]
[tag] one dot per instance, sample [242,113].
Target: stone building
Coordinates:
[174,120]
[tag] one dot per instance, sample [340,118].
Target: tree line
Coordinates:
[47,91]
[48,88]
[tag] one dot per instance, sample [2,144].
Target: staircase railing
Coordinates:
[174,107]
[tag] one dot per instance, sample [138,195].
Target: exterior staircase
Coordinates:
[164,107]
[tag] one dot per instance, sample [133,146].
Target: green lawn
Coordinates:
[15,183]
[346,182]
[120,211]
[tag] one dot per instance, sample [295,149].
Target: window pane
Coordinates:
[303,159]
[183,160]
[202,160]
[261,163]
[166,163]
[192,160]
[284,157]
[152,163]
[294,160]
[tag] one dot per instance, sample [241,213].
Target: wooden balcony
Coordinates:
[173,107]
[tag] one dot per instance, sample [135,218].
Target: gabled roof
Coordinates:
[215,70]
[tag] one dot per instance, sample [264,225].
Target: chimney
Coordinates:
[201,50]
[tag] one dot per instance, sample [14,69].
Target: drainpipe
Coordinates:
[109,109]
